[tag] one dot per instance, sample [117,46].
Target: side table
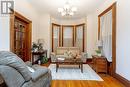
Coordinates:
[99,64]
[43,53]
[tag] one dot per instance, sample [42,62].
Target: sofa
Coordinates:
[60,53]
[16,73]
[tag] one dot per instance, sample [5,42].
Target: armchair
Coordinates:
[15,72]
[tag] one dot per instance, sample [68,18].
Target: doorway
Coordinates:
[20,36]
[103,19]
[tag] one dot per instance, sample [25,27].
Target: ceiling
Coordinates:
[84,7]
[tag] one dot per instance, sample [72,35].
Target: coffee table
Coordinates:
[69,61]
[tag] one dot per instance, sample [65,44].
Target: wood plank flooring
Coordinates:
[108,82]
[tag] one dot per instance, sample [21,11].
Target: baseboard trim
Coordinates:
[122,79]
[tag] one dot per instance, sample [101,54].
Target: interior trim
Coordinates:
[29,32]
[113,8]
[122,79]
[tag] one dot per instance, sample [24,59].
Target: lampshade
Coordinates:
[41,41]
[99,43]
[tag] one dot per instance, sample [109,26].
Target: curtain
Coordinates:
[56,37]
[68,37]
[106,35]
[79,37]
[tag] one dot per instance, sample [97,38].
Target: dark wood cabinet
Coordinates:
[99,64]
[20,36]
[43,53]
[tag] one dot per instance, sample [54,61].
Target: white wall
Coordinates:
[4,33]
[91,34]
[44,31]
[123,34]
[24,8]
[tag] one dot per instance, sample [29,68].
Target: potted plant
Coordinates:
[98,52]
[34,47]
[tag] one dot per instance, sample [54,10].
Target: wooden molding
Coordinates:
[53,24]
[29,33]
[61,36]
[113,8]
[122,79]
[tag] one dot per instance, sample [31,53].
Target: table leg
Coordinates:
[57,65]
[79,65]
[82,67]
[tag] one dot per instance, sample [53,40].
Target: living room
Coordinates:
[79,34]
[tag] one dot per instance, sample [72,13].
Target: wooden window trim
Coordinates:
[53,24]
[74,32]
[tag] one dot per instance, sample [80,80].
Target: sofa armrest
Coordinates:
[39,72]
[28,63]
[84,55]
[53,54]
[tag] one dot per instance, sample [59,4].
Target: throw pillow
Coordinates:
[68,54]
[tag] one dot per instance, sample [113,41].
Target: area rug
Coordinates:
[72,72]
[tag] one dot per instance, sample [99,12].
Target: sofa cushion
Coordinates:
[61,50]
[11,76]
[68,54]
[12,60]
[74,50]
[39,72]
[60,56]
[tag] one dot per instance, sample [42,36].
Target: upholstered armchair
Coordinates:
[60,53]
[16,73]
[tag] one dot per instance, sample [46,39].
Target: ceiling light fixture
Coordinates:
[67,10]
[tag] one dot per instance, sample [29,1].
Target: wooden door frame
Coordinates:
[29,33]
[113,8]
[83,33]
[63,33]
[53,24]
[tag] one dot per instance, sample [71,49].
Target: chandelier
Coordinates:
[67,10]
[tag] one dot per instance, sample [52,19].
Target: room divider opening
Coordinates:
[20,36]
[68,36]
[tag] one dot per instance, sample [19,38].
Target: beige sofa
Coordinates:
[60,53]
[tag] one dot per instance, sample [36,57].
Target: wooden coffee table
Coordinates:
[69,61]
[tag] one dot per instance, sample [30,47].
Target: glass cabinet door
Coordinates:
[19,39]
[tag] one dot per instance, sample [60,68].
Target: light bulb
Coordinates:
[60,10]
[71,13]
[74,9]
[63,13]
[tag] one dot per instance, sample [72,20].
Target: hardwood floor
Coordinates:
[108,82]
